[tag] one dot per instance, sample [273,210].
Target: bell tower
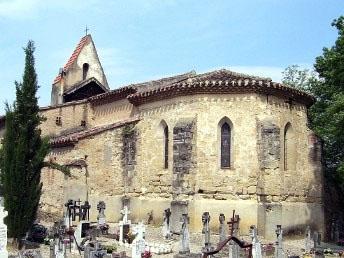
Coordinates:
[81,77]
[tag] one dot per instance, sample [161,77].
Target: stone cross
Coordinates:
[124,225]
[166,230]
[256,246]
[222,228]
[279,244]
[101,216]
[139,243]
[308,240]
[125,212]
[3,233]
[185,238]
[206,230]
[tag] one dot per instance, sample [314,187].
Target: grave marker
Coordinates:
[222,228]
[166,230]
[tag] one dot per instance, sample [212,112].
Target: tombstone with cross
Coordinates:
[166,230]
[222,228]
[256,246]
[308,240]
[206,230]
[185,238]
[279,242]
[139,243]
[124,225]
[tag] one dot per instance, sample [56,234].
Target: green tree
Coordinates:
[23,152]
[327,114]
[301,79]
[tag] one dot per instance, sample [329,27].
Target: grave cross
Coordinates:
[222,229]
[279,246]
[256,246]
[233,224]
[206,231]
[125,212]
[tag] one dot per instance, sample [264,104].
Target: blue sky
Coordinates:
[149,39]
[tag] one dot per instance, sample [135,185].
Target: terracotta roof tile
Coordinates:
[73,138]
[73,57]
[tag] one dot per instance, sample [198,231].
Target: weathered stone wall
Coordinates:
[71,115]
[112,112]
[257,185]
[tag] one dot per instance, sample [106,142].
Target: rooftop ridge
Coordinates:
[74,56]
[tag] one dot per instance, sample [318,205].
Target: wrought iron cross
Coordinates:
[86,30]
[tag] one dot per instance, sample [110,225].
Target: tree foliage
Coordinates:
[301,79]
[327,114]
[23,152]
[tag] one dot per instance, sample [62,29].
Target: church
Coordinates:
[217,142]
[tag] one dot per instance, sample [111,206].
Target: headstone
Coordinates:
[3,233]
[85,211]
[59,249]
[315,239]
[308,240]
[185,238]
[166,230]
[279,244]
[101,216]
[256,246]
[80,233]
[124,225]
[222,228]
[178,208]
[139,243]
[97,252]
[206,231]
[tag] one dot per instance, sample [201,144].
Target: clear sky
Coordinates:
[148,39]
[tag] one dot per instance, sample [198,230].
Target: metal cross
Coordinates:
[86,30]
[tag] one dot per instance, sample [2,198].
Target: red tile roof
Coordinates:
[73,138]
[222,85]
[74,56]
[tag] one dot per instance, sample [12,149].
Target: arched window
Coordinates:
[289,148]
[85,67]
[225,145]
[166,147]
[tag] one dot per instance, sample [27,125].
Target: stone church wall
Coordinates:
[70,115]
[112,112]
[130,161]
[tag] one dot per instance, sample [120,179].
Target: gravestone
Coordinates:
[101,219]
[57,249]
[139,243]
[308,240]
[222,227]
[279,244]
[233,227]
[166,230]
[80,233]
[94,252]
[206,231]
[178,208]
[185,238]
[124,225]
[256,246]
[3,233]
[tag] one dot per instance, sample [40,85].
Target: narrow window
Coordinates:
[83,123]
[225,145]
[166,146]
[85,67]
[289,148]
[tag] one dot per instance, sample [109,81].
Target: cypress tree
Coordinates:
[23,152]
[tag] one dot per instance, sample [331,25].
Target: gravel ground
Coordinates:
[154,235]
